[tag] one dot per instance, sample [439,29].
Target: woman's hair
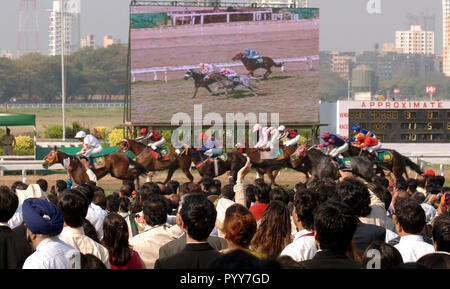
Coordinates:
[274,231]
[115,239]
[239,225]
[389,256]
[90,231]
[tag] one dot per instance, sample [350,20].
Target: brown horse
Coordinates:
[234,162]
[146,158]
[251,64]
[200,81]
[117,164]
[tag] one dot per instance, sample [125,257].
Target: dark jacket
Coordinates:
[177,245]
[193,256]
[326,259]
[14,248]
[365,234]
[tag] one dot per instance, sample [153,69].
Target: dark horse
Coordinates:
[397,165]
[251,64]
[206,167]
[199,81]
[320,165]
[117,164]
[146,158]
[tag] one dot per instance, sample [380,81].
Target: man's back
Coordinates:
[177,245]
[412,247]
[193,256]
[365,234]
[14,248]
[326,259]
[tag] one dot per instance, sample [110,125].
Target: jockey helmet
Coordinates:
[325,135]
[248,49]
[356,128]
[281,128]
[143,131]
[257,127]
[360,136]
[80,134]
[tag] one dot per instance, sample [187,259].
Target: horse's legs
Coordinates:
[188,174]
[169,175]
[195,92]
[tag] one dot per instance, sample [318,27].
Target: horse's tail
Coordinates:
[412,164]
[139,167]
[278,64]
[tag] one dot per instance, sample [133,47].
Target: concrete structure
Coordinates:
[390,47]
[446,37]
[108,40]
[72,11]
[88,41]
[426,21]
[342,65]
[415,41]
[6,54]
[28,32]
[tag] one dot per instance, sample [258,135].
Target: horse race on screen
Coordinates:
[229,60]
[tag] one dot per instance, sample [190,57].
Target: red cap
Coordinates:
[429,172]
[143,130]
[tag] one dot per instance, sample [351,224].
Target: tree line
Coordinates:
[89,72]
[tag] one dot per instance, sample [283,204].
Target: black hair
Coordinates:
[435,261]
[129,183]
[410,215]
[18,186]
[206,182]
[401,185]
[381,181]
[74,206]
[411,185]
[263,193]
[198,215]
[155,210]
[305,202]
[61,185]
[241,260]
[89,261]
[228,191]
[124,204]
[389,256]
[286,262]
[172,187]
[87,191]
[135,206]
[42,184]
[356,195]
[258,182]
[90,231]
[250,194]
[334,224]
[112,203]
[384,195]
[8,204]
[418,197]
[147,190]
[327,190]
[441,232]
[279,194]
[300,186]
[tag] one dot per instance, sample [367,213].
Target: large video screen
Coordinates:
[228,59]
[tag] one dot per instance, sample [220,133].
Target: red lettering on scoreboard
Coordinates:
[343,126]
[401,104]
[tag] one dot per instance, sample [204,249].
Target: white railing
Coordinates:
[50,105]
[166,69]
[26,165]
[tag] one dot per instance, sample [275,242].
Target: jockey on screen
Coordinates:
[357,129]
[292,135]
[229,73]
[156,137]
[340,146]
[210,146]
[368,143]
[268,136]
[207,69]
[252,54]
[91,145]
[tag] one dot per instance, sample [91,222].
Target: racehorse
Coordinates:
[397,165]
[117,164]
[251,64]
[199,81]
[321,166]
[151,163]
[206,167]
[226,83]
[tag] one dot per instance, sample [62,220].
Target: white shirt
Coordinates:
[412,247]
[96,215]
[430,211]
[16,219]
[52,253]
[302,248]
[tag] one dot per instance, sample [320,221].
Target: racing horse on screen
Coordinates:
[252,64]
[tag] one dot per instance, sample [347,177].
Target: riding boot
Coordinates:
[339,163]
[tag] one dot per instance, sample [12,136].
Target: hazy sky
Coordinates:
[345,24]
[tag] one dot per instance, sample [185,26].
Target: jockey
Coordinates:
[156,137]
[357,129]
[207,69]
[340,146]
[252,54]
[371,144]
[91,145]
[268,136]
[292,135]
[210,146]
[229,73]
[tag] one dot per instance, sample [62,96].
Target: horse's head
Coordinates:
[51,159]
[238,56]
[124,145]
[189,73]
[299,153]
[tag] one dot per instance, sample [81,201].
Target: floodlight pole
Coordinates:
[63,81]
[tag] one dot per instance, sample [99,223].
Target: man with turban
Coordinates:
[44,222]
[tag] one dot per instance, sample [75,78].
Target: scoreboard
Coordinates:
[425,125]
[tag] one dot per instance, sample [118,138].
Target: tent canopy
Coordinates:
[11,119]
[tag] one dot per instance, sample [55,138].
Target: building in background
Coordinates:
[342,64]
[88,41]
[6,54]
[446,37]
[108,40]
[72,12]
[390,47]
[28,32]
[415,40]
[426,21]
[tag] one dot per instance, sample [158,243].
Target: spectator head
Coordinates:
[90,231]
[409,217]
[239,226]
[135,206]
[18,186]
[124,205]
[411,186]
[125,191]
[147,190]
[258,182]
[299,186]
[8,204]
[263,193]
[383,194]
[198,216]
[112,203]
[436,260]
[305,202]
[205,183]
[115,239]
[441,233]
[100,199]
[222,205]
[418,197]
[381,181]
[334,225]
[228,192]
[74,206]
[172,187]
[279,194]
[87,191]
[89,261]
[43,184]
[400,185]
[356,195]
[162,188]
[250,194]
[389,256]
[327,190]
[61,185]
[155,210]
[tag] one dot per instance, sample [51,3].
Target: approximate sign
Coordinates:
[431,89]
